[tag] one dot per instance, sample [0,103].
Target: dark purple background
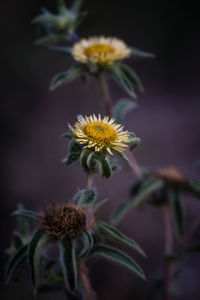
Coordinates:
[167,120]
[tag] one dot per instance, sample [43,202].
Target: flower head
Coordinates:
[62,220]
[100,50]
[100,134]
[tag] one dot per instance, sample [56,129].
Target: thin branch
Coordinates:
[85,281]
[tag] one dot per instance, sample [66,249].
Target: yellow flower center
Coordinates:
[98,49]
[101,133]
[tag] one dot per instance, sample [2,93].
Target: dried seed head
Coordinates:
[62,220]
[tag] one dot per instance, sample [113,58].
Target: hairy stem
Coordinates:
[85,281]
[90,177]
[134,165]
[106,94]
[168,251]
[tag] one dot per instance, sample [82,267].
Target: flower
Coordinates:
[100,134]
[100,50]
[63,220]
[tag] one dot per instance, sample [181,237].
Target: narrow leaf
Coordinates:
[68,263]
[88,196]
[65,77]
[141,53]
[76,6]
[122,107]
[119,257]
[122,80]
[133,77]
[15,262]
[88,243]
[61,49]
[177,210]
[147,188]
[36,246]
[104,167]
[50,39]
[113,233]
[26,214]
[83,159]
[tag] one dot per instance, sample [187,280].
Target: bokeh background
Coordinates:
[167,120]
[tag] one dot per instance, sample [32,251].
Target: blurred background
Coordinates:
[167,120]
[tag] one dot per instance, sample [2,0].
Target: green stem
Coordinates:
[134,165]
[106,95]
[168,251]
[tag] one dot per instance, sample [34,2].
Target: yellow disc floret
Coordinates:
[100,50]
[100,134]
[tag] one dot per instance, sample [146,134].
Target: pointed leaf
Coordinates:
[119,257]
[68,263]
[15,262]
[88,196]
[88,243]
[133,141]
[177,210]
[140,53]
[122,107]
[104,167]
[26,214]
[99,204]
[36,246]
[147,188]
[122,80]
[65,77]
[76,6]
[61,49]
[83,159]
[113,233]
[50,39]
[133,77]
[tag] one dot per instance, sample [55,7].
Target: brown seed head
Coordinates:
[62,220]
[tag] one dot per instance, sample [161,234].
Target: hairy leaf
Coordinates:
[50,39]
[140,53]
[35,249]
[26,214]
[133,77]
[177,210]
[65,77]
[119,257]
[122,107]
[88,196]
[104,167]
[68,263]
[113,233]
[76,6]
[147,188]
[15,262]
[88,243]
[122,79]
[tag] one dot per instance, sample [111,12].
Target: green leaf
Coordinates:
[65,77]
[88,243]
[79,19]
[149,186]
[119,257]
[88,196]
[194,185]
[113,233]
[133,141]
[68,263]
[15,262]
[22,224]
[36,246]
[61,49]
[104,166]
[122,107]
[99,204]
[133,77]
[49,39]
[140,53]
[26,214]
[72,159]
[177,210]
[83,160]
[122,79]
[74,153]
[76,6]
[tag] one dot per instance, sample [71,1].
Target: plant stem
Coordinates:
[106,94]
[168,251]
[134,165]
[107,100]
[85,281]
[90,177]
